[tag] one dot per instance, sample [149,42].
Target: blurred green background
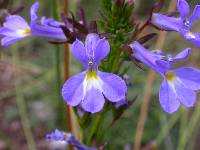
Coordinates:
[29,89]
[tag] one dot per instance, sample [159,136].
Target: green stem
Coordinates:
[183,123]
[22,106]
[191,126]
[95,126]
[58,80]
[60,103]
[115,67]
[165,130]
[167,142]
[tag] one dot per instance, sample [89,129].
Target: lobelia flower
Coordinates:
[16,28]
[182,24]
[64,137]
[179,85]
[48,27]
[89,87]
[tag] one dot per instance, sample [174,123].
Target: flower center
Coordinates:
[191,35]
[163,56]
[187,24]
[27,31]
[90,61]
[67,135]
[170,76]
[23,32]
[91,74]
[167,58]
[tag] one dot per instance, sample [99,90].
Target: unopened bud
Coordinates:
[119,2]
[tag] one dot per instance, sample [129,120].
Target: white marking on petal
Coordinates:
[23,32]
[92,83]
[190,35]
[175,82]
[172,85]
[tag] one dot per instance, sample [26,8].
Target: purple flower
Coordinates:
[183,24]
[179,85]
[61,136]
[58,136]
[48,27]
[16,28]
[89,87]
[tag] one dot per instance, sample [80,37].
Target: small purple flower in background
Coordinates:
[48,27]
[178,85]
[183,24]
[58,136]
[89,87]
[64,137]
[16,28]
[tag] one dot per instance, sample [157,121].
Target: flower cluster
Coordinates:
[91,88]
[102,55]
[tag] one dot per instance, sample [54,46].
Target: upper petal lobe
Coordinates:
[196,14]
[183,8]
[91,42]
[33,11]
[79,52]
[182,55]
[102,50]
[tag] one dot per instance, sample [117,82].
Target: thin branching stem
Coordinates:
[66,74]
[66,69]
[57,57]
